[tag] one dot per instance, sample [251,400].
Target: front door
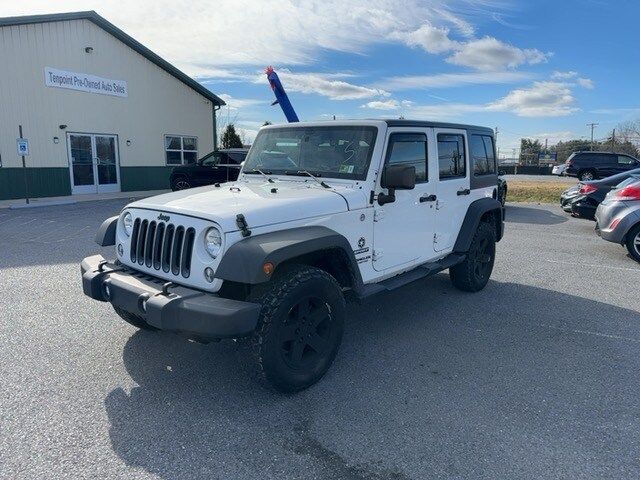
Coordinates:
[93,163]
[453,186]
[403,230]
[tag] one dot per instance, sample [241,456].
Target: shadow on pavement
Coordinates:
[511,382]
[535,216]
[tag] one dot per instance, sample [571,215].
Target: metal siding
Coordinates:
[157,104]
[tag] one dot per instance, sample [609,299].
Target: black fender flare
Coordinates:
[472,219]
[106,234]
[243,261]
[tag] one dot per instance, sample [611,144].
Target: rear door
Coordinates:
[453,189]
[403,230]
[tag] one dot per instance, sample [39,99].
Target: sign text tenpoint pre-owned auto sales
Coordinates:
[84,82]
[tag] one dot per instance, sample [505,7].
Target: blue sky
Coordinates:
[540,68]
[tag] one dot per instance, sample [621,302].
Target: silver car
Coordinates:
[618,217]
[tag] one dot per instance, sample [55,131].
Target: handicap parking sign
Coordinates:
[23,146]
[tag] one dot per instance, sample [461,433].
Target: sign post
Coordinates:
[23,150]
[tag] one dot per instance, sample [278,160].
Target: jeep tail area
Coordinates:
[319,212]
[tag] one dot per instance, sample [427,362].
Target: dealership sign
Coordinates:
[84,82]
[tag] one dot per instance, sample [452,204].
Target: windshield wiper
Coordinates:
[256,170]
[305,172]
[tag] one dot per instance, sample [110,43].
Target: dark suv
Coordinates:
[593,165]
[216,167]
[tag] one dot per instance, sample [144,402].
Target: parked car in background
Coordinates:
[502,188]
[568,196]
[618,218]
[594,165]
[216,167]
[590,194]
[559,169]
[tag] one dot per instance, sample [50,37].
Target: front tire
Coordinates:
[473,273]
[133,319]
[633,243]
[300,327]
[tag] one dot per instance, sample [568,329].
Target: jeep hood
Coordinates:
[256,201]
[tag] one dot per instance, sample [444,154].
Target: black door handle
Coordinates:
[465,191]
[428,198]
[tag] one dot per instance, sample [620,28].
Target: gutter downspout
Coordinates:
[215,127]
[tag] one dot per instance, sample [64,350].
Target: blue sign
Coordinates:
[23,147]
[547,157]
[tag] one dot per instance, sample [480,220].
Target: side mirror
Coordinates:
[501,172]
[396,177]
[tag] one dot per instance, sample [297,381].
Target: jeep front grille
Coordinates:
[163,246]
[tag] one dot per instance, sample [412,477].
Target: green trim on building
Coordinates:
[144,178]
[42,182]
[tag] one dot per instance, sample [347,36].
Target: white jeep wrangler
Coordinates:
[319,210]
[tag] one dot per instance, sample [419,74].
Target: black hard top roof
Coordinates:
[109,27]
[427,123]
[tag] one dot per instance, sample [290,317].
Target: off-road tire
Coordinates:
[473,273]
[283,302]
[180,183]
[587,172]
[132,319]
[634,248]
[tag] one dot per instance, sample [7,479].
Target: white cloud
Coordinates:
[489,53]
[235,103]
[201,35]
[543,99]
[563,75]
[325,84]
[586,83]
[382,105]
[446,80]
[429,38]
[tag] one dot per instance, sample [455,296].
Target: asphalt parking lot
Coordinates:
[534,377]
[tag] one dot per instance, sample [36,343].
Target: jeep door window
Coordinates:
[484,161]
[409,149]
[451,156]
[332,151]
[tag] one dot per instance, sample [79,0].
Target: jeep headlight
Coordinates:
[127,223]
[213,242]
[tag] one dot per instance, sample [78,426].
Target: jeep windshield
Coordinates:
[327,152]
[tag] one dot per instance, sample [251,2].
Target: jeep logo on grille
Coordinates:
[163,217]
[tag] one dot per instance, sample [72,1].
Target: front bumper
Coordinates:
[178,309]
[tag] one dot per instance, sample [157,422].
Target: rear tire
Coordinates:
[132,319]
[180,183]
[633,243]
[474,272]
[587,175]
[300,327]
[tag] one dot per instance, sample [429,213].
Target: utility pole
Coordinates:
[592,125]
[613,141]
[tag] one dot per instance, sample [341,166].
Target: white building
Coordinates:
[100,111]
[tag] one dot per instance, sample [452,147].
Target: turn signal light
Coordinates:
[268,268]
[587,188]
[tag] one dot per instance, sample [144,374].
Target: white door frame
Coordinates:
[96,187]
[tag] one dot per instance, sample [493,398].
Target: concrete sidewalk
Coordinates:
[71,199]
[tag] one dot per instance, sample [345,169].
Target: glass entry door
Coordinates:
[93,162]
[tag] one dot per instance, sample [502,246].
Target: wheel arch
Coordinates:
[316,246]
[484,209]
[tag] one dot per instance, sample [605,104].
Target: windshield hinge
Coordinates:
[242,225]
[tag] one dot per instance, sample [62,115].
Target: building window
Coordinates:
[409,149]
[451,155]
[180,150]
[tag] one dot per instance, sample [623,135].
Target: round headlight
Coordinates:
[127,223]
[213,242]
